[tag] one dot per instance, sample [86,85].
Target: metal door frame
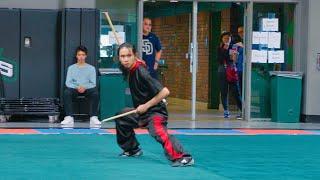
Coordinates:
[248,17]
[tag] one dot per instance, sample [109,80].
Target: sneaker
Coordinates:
[3,119]
[94,120]
[183,162]
[67,120]
[226,114]
[239,116]
[134,153]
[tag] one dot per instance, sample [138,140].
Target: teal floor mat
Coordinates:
[217,157]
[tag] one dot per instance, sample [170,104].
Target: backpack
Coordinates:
[232,73]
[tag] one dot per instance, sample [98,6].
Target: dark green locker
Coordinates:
[39,54]
[10,50]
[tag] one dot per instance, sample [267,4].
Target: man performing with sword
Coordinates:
[151,112]
[150,109]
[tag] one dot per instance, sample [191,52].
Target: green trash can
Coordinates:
[112,92]
[286,90]
[260,95]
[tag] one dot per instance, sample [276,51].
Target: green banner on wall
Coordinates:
[8,68]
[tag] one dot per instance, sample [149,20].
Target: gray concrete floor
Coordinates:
[212,119]
[214,124]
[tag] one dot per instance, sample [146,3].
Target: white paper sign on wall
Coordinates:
[276,56]
[270,24]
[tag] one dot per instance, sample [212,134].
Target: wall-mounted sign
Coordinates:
[8,68]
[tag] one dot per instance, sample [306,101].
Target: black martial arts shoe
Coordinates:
[134,153]
[183,162]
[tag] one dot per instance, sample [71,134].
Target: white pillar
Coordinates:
[139,23]
[248,42]
[194,58]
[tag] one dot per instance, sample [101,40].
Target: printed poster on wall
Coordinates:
[270,24]
[259,56]
[276,56]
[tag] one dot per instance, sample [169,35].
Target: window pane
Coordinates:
[124,19]
[272,50]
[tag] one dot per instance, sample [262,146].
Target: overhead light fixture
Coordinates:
[174,1]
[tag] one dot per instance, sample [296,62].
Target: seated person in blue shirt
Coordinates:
[81,80]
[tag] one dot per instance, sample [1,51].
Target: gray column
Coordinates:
[195,57]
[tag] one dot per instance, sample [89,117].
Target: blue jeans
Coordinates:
[240,81]
[225,88]
[153,73]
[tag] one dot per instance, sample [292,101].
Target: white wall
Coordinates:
[311,98]
[47,4]
[79,3]
[31,4]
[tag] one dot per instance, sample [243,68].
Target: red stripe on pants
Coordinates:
[162,133]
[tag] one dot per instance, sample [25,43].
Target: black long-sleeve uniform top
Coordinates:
[143,88]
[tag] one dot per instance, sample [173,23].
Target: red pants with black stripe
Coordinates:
[157,127]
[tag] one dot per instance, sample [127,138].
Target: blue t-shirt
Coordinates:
[239,62]
[150,46]
[240,59]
